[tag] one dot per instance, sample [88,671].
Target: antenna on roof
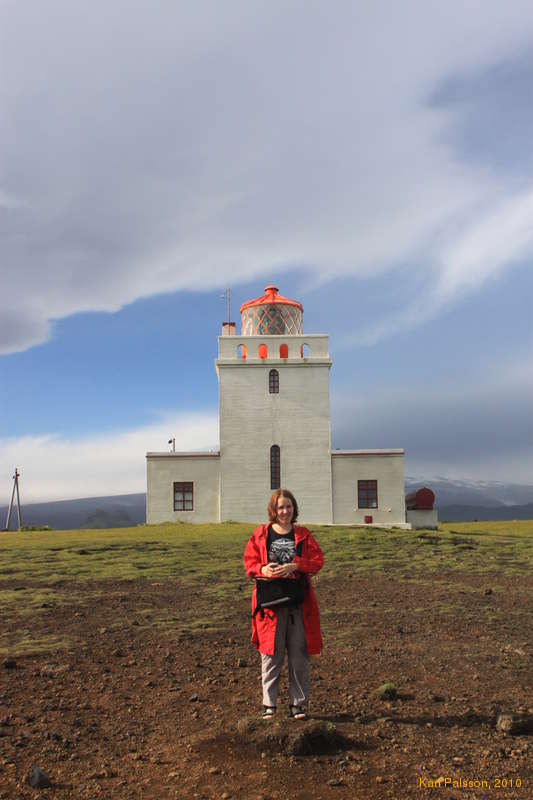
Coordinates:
[227,296]
[15,489]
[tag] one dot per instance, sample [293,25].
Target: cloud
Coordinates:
[475,253]
[470,426]
[185,146]
[59,468]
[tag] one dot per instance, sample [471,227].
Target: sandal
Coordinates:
[268,712]
[297,712]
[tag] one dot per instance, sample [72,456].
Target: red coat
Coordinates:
[310,562]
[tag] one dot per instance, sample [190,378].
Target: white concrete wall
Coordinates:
[387,468]
[423,518]
[165,468]
[252,420]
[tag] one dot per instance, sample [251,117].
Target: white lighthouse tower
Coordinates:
[275,430]
[275,427]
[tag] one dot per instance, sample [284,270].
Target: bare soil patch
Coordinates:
[138,689]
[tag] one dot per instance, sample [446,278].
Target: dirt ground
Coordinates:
[155,693]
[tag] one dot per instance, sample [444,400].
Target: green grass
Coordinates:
[155,552]
[505,547]
[211,555]
[40,570]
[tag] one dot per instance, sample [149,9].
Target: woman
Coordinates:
[279,550]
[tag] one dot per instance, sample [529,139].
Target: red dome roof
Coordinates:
[271,297]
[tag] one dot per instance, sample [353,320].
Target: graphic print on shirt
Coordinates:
[281,550]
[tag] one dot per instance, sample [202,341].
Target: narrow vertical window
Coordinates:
[183,496]
[273,381]
[284,351]
[275,482]
[367,494]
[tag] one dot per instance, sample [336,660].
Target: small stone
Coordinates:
[458,760]
[214,771]
[507,722]
[334,782]
[38,779]
[488,590]
[193,698]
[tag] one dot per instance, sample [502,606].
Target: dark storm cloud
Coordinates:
[481,424]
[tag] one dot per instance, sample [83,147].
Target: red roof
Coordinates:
[271,297]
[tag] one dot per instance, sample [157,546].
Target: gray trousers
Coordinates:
[290,636]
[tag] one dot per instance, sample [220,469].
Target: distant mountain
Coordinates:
[456,500]
[491,494]
[465,500]
[118,511]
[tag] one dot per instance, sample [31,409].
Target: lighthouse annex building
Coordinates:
[275,430]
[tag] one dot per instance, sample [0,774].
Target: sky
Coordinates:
[373,159]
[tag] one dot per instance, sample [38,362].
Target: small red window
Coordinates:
[284,351]
[262,351]
[367,494]
[184,496]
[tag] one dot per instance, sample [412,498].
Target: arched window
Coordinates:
[284,351]
[273,381]
[275,482]
[262,351]
[304,351]
[241,352]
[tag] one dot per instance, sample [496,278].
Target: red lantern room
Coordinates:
[271,315]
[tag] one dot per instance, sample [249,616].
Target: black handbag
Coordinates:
[280,592]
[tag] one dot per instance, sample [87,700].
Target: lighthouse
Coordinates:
[275,422]
[275,431]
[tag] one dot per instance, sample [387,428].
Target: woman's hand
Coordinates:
[269,570]
[272,570]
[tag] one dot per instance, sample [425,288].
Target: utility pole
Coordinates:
[15,489]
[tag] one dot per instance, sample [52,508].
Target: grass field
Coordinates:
[211,555]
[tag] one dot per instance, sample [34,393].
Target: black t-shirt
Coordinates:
[280,546]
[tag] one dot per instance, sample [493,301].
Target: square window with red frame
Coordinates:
[367,494]
[184,496]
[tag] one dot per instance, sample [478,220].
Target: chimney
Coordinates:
[228,329]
